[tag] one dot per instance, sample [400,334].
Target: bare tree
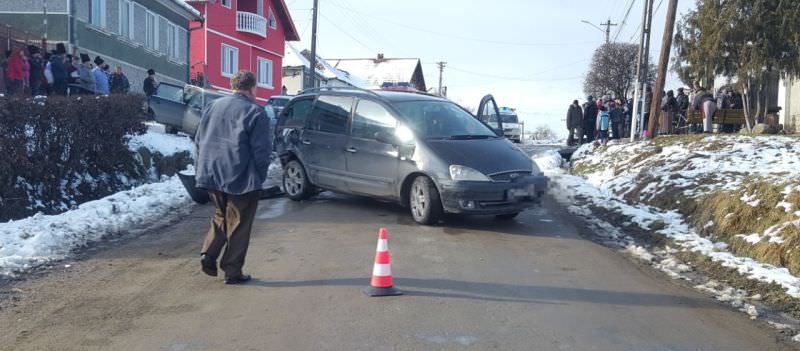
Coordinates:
[543,132]
[613,70]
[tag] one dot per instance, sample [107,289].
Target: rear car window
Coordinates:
[330,114]
[295,115]
[371,118]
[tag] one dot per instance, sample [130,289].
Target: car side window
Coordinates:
[330,114]
[371,118]
[295,115]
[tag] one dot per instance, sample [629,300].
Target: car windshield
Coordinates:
[442,120]
[505,117]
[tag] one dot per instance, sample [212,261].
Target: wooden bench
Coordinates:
[721,116]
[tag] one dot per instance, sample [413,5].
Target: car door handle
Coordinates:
[352,150]
[306,142]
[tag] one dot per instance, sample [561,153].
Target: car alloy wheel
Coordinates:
[295,182]
[424,201]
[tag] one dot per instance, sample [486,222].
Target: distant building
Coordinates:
[296,67]
[135,34]
[237,35]
[379,70]
[790,102]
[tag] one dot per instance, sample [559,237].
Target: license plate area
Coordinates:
[522,193]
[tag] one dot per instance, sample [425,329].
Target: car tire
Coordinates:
[295,181]
[507,216]
[170,130]
[424,201]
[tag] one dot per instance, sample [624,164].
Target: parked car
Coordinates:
[512,129]
[399,86]
[278,102]
[421,151]
[180,107]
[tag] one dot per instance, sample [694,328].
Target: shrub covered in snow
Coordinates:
[57,152]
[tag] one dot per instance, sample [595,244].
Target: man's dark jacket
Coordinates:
[234,146]
[590,112]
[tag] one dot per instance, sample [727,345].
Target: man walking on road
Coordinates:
[574,122]
[234,145]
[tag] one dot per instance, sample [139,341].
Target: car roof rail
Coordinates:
[320,89]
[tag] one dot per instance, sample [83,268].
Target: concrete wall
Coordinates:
[790,115]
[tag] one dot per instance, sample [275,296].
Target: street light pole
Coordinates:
[313,60]
[607,31]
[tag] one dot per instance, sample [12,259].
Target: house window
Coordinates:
[151,39]
[126,19]
[272,22]
[264,72]
[230,60]
[173,46]
[97,10]
[226,3]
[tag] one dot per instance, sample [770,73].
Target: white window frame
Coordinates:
[129,5]
[271,21]
[151,21]
[173,43]
[234,65]
[102,13]
[264,72]
[229,3]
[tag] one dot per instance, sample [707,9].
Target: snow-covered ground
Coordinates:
[610,173]
[40,239]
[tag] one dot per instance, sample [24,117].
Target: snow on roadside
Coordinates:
[33,241]
[39,239]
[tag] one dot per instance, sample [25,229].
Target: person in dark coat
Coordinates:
[233,150]
[574,123]
[589,118]
[119,82]
[705,103]
[58,66]
[37,70]
[149,86]
[669,106]
[617,116]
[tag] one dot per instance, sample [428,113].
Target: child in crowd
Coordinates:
[602,125]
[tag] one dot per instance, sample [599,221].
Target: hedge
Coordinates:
[60,151]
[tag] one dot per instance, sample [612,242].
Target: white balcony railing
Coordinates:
[249,22]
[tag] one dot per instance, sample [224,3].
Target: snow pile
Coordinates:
[165,144]
[548,161]
[39,239]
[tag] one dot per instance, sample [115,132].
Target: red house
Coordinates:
[240,34]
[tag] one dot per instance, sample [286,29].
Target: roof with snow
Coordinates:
[294,58]
[379,70]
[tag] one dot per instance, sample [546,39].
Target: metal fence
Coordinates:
[10,38]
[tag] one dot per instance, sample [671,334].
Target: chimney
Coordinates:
[380,58]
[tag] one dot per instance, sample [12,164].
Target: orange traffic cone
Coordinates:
[381,283]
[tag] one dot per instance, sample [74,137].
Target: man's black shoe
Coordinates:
[238,280]
[208,264]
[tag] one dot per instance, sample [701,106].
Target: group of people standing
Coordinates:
[606,118]
[600,119]
[28,72]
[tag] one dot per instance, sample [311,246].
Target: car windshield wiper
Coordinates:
[469,136]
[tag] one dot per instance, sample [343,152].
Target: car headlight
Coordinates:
[464,173]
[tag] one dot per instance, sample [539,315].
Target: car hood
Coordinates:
[488,156]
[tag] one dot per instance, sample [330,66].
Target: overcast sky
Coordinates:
[529,54]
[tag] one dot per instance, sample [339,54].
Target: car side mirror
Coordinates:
[387,138]
[499,132]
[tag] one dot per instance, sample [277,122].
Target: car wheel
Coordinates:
[170,130]
[507,216]
[424,201]
[295,181]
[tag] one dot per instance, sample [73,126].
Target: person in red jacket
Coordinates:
[14,73]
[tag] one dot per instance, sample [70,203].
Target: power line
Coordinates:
[346,10]
[346,33]
[507,77]
[624,19]
[384,19]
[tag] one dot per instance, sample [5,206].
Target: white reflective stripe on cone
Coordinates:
[382,245]
[382,270]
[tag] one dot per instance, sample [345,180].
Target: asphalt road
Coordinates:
[470,284]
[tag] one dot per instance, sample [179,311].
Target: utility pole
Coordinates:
[663,61]
[312,80]
[641,67]
[608,26]
[441,65]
